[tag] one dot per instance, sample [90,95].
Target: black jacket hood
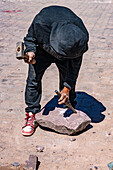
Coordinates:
[66,38]
[58,31]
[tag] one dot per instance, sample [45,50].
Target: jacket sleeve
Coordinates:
[30,39]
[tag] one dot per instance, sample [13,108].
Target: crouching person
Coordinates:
[56,35]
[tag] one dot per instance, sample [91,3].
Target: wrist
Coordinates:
[66,90]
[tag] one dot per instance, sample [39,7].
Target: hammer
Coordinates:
[67,103]
[20,52]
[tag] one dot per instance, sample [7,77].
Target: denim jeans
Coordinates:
[43,61]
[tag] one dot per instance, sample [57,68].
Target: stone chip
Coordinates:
[31,164]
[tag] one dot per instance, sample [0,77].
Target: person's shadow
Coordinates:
[85,102]
[89,105]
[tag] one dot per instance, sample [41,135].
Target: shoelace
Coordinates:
[29,120]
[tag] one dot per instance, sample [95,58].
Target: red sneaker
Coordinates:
[30,125]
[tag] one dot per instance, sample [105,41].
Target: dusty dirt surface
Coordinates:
[93,148]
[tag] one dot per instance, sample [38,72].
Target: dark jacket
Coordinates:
[58,31]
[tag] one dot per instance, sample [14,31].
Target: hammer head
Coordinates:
[20,50]
[20,53]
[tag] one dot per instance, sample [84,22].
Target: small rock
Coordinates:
[101,149]
[108,134]
[93,132]
[39,148]
[57,167]
[10,110]
[31,163]
[95,167]
[1,101]
[108,113]
[110,165]
[90,169]
[5,122]
[91,164]
[72,139]
[16,164]
[3,80]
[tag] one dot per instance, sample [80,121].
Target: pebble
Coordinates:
[110,165]
[39,148]
[72,139]
[108,134]
[3,80]
[10,110]
[16,164]
[5,122]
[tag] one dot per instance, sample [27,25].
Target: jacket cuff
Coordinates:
[67,85]
[29,50]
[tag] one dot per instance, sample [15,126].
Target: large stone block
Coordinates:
[63,120]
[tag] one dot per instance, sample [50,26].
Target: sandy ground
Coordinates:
[93,147]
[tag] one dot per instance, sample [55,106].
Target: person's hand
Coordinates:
[29,58]
[64,96]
